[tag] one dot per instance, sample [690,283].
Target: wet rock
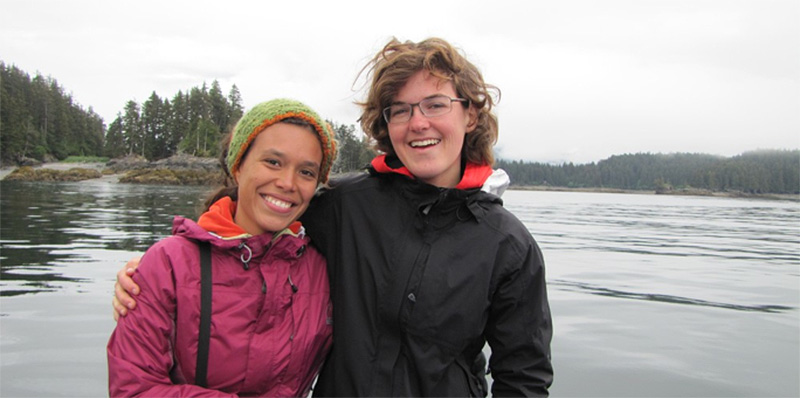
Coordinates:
[164,176]
[27,173]
[131,162]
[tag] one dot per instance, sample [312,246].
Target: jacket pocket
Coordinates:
[475,375]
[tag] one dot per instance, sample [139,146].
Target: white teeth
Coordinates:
[431,141]
[277,202]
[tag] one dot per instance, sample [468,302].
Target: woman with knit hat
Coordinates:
[258,322]
[425,266]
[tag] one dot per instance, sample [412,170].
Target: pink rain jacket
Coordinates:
[270,325]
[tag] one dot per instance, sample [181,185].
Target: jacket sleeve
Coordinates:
[321,222]
[140,355]
[520,327]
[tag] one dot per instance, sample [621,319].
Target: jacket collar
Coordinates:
[219,220]
[474,176]
[467,195]
[217,227]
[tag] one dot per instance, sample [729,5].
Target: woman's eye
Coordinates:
[272,162]
[435,105]
[398,111]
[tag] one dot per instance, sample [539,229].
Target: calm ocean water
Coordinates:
[652,296]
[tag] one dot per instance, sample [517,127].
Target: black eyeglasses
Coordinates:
[434,106]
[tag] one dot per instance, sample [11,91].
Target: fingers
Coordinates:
[133,263]
[122,294]
[122,302]
[126,283]
[117,309]
[125,280]
[124,289]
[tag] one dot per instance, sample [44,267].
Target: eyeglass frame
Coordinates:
[387,109]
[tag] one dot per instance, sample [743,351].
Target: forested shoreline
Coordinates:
[41,122]
[755,172]
[39,119]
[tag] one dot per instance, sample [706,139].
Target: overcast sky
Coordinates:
[581,80]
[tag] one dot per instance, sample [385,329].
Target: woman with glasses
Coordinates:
[425,267]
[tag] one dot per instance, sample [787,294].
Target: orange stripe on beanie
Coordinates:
[268,113]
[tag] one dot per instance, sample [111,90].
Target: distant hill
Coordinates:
[762,171]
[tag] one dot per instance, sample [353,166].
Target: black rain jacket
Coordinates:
[421,278]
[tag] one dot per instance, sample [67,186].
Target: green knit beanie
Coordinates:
[268,113]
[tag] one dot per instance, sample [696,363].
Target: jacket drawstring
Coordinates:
[249,256]
[242,256]
[300,251]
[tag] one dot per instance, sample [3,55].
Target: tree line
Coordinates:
[763,171]
[192,123]
[40,120]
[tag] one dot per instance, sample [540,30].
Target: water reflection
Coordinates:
[664,298]
[46,225]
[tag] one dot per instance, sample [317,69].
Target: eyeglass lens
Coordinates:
[434,106]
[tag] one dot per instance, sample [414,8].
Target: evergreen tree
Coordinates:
[57,126]
[132,129]
[354,151]
[154,128]
[115,139]
[178,122]
[38,108]
[91,141]
[194,142]
[15,116]
[235,109]
[220,114]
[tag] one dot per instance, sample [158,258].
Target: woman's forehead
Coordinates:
[423,84]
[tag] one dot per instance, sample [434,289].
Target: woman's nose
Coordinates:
[418,121]
[285,180]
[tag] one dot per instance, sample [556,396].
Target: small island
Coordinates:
[176,170]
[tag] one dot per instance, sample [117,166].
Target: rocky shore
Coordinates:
[176,170]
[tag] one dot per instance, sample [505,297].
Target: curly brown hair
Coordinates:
[391,68]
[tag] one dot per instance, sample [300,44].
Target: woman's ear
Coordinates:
[472,121]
